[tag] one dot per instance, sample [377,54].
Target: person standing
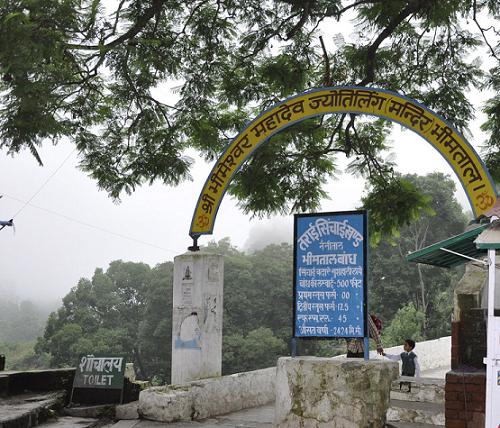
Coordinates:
[355,347]
[411,366]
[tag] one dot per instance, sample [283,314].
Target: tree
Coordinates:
[95,73]
[407,324]
[395,282]
[260,348]
[125,310]
[258,298]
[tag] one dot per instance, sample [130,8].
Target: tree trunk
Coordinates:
[423,297]
[142,372]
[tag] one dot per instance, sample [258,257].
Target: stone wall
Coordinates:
[472,338]
[208,397]
[465,389]
[18,382]
[465,395]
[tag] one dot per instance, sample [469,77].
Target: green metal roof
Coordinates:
[437,254]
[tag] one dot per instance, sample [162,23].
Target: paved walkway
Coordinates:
[439,373]
[258,417]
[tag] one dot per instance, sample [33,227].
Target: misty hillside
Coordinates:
[22,320]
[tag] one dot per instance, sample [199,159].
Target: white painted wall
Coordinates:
[432,354]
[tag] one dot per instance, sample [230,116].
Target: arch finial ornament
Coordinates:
[460,155]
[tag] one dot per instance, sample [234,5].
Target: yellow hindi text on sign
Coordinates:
[461,156]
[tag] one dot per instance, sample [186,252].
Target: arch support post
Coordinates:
[197,316]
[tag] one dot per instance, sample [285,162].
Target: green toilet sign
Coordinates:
[105,372]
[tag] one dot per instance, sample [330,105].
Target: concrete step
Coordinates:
[70,422]
[417,412]
[429,390]
[410,425]
[95,412]
[27,410]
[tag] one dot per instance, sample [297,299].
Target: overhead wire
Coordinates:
[44,183]
[28,202]
[39,189]
[93,226]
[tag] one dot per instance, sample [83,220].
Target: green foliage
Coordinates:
[408,323]
[92,72]
[120,311]
[127,308]
[260,348]
[394,282]
[22,356]
[391,205]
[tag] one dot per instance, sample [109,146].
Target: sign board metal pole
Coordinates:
[366,313]
[492,385]
[490,366]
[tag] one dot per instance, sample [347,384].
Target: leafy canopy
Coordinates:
[96,72]
[394,282]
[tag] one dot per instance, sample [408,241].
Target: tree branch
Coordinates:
[410,8]
[355,4]
[327,79]
[140,23]
[483,31]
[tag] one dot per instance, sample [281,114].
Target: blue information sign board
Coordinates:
[330,274]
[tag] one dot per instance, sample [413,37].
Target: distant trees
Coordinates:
[21,321]
[395,282]
[123,310]
[408,323]
[127,309]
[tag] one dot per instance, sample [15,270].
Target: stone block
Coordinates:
[417,412]
[161,404]
[127,411]
[208,397]
[337,393]
[130,372]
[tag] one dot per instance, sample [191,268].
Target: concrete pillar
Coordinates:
[197,317]
[316,392]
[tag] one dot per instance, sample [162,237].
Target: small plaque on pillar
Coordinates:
[187,295]
[213,269]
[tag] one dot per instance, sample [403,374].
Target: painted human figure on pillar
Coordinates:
[189,333]
[187,273]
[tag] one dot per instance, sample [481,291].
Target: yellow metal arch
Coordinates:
[461,156]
